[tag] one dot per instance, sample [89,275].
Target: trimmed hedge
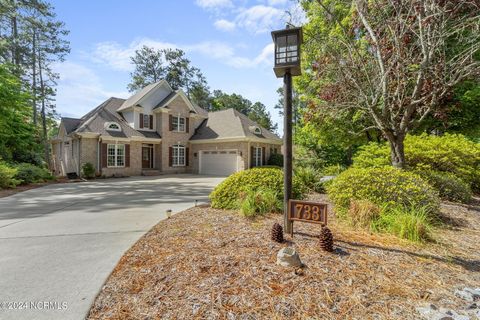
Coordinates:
[88,170]
[386,186]
[227,194]
[451,153]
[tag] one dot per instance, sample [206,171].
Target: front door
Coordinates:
[147,157]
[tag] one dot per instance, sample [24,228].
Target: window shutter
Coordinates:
[170,156]
[104,155]
[141,120]
[151,121]
[170,122]
[127,155]
[252,157]
[187,155]
[264,156]
[187,126]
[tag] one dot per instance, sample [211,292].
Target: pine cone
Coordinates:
[326,239]
[277,233]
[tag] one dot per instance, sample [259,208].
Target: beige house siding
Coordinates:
[88,152]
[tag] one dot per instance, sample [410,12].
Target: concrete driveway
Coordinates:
[59,243]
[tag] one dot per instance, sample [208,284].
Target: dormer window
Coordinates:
[255,129]
[113,126]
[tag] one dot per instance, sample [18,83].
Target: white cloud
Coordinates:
[259,18]
[224,25]
[214,4]
[79,90]
[118,57]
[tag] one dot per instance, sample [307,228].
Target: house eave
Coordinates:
[238,139]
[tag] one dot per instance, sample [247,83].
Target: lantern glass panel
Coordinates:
[286,49]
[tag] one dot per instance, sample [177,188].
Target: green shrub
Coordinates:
[28,173]
[333,170]
[230,190]
[309,178]
[7,176]
[276,159]
[384,186]
[448,185]
[451,153]
[260,202]
[411,223]
[88,170]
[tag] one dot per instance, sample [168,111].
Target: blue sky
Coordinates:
[228,40]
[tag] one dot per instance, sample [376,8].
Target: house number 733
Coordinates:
[308,211]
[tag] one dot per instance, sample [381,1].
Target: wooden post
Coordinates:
[287,142]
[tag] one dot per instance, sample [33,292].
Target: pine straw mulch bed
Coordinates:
[213,264]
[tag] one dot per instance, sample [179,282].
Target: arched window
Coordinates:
[113,126]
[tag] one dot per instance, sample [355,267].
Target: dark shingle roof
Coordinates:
[95,120]
[70,124]
[230,123]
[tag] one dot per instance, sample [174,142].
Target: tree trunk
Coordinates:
[397,150]
[34,78]
[15,51]
[43,111]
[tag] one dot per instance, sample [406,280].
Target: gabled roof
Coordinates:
[230,123]
[70,124]
[179,93]
[94,122]
[135,99]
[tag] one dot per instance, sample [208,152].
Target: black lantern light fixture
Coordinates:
[287,64]
[287,51]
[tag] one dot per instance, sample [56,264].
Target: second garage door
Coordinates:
[219,162]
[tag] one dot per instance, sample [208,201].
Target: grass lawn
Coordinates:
[212,264]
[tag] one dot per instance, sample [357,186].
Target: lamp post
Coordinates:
[287,64]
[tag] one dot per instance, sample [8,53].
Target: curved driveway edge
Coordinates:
[59,243]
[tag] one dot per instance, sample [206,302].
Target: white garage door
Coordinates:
[219,162]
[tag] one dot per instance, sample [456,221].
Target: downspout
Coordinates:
[79,156]
[98,155]
[249,156]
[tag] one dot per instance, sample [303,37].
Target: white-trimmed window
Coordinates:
[257,157]
[113,126]
[146,121]
[178,155]
[116,155]
[178,123]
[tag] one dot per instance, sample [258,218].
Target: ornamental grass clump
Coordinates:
[259,202]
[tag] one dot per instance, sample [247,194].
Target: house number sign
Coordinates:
[307,211]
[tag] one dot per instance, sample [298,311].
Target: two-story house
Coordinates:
[159,130]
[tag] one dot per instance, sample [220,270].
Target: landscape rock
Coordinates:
[468,294]
[288,257]
[432,312]
[327,178]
